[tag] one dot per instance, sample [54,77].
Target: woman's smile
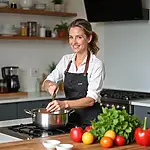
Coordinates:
[76,46]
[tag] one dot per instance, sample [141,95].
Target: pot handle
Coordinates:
[29,112]
[71,111]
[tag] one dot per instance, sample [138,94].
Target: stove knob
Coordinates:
[123,107]
[107,105]
[112,105]
[117,106]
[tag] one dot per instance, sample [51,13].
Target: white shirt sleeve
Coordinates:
[57,74]
[96,80]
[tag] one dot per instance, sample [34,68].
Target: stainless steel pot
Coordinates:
[49,120]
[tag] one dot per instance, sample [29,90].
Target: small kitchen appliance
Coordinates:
[10,75]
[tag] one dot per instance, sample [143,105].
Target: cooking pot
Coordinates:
[49,120]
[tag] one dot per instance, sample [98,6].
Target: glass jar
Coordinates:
[32,28]
[3,86]
[24,29]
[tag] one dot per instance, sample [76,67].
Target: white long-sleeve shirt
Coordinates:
[96,73]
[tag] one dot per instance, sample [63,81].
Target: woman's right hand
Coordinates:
[51,87]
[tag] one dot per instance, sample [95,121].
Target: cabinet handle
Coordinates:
[148,112]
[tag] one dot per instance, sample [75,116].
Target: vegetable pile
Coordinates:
[77,134]
[117,120]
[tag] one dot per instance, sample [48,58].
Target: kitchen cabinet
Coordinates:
[141,112]
[8,111]
[29,105]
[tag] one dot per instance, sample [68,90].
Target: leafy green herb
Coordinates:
[51,67]
[117,120]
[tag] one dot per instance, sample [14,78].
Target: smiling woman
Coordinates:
[82,73]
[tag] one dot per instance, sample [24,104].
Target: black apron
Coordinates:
[76,86]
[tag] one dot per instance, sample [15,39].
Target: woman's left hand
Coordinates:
[55,105]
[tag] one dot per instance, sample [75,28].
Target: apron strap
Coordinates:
[86,65]
[68,66]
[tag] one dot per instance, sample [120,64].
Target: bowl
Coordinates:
[64,147]
[51,144]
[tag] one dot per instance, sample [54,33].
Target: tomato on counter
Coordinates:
[88,129]
[76,134]
[119,140]
[106,142]
[111,134]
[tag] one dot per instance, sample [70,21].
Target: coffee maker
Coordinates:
[10,75]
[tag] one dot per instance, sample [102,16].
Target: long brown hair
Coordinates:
[87,28]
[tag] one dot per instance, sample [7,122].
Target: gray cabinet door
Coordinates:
[8,111]
[30,105]
[142,112]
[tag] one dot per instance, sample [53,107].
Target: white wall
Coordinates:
[38,54]
[127,51]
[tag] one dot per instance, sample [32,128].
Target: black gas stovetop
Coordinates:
[30,131]
[124,95]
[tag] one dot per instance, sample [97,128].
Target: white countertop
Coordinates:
[15,122]
[141,102]
[32,96]
[4,138]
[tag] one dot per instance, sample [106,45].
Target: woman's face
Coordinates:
[78,40]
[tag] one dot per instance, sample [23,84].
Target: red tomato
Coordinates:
[106,142]
[119,140]
[76,134]
[88,128]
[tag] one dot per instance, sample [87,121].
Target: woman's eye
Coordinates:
[80,37]
[70,37]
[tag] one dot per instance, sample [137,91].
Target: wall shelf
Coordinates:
[31,38]
[37,12]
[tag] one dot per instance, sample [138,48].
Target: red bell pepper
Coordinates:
[142,135]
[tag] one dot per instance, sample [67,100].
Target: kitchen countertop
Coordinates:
[15,122]
[32,96]
[36,144]
[142,102]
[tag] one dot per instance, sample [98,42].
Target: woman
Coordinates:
[82,73]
